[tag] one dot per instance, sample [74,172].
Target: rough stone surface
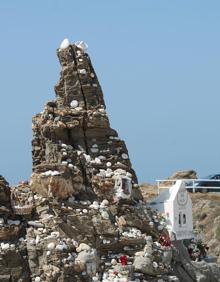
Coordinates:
[82,216]
[184,174]
[73,136]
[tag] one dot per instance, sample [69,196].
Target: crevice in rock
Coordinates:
[85,116]
[84,99]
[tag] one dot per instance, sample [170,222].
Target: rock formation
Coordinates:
[82,216]
[184,174]
[75,151]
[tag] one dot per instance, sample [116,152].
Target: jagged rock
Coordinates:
[89,259]
[207,272]
[60,186]
[184,174]
[4,192]
[22,200]
[144,265]
[82,216]
[74,137]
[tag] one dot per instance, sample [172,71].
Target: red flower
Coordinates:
[123,260]
[165,241]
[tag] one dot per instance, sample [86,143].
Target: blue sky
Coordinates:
[158,63]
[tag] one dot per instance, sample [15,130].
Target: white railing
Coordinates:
[191,184]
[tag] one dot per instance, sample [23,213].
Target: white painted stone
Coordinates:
[78,52]
[5,246]
[50,173]
[12,246]
[84,203]
[37,239]
[13,222]
[94,150]
[128,174]
[55,234]
[87,157]
[51,246]
[102,158]
[74,104]
[105,215]
[97,161]
[94,207]
[82,45]
[82,71]
[65,43]
[83,247]
[37,279]
[104,203]
[108,164]
[61,247]
[114,262]
[124,156]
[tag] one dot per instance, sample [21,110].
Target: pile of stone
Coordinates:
[82,216]
[22,200]
[73,145]
[184,174]
[4,194]
[9,226]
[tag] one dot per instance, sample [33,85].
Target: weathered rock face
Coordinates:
[184,174]
[4,192]
[72,138]
[13,259]
[82,218]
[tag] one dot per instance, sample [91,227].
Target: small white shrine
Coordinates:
[175,204]
[123,187]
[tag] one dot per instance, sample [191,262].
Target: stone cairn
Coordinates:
[75,151]
[81,217]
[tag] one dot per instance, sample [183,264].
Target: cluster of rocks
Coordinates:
[81,240]
[184,174]
[82,216]
[22,199]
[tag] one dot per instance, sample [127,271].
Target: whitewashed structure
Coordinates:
[175,204]
[123,187]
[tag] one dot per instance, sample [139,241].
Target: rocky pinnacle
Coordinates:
[73,140]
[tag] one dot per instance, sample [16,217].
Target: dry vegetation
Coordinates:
[206,216]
